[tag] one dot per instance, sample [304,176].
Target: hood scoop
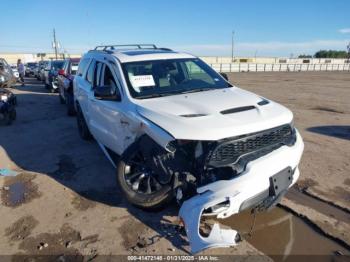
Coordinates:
[237,110]
[193,115]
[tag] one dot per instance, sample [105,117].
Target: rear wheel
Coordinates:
[61,99]
[13,114]
[83,129]
[7,118]
[139,183]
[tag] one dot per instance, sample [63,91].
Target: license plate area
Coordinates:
[280,181]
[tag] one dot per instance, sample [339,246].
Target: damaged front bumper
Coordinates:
[261,185]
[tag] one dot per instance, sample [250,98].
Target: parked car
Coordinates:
[30,68]
[51,73]
[65,83]
[7,78]
[8,101]
[181,130]
[41,70]
[15,71]
[38,69]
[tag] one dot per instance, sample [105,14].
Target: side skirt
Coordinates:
[111,156]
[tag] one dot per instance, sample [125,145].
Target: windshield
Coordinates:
[32,64]
[148,79]
[57,64]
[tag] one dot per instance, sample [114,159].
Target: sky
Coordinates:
[203,27]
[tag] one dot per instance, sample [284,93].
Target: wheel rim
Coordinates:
[139,177]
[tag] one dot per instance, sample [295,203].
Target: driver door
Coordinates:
[105,115]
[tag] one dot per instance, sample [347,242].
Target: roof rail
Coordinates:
[116,47]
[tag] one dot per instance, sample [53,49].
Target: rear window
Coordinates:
[57,64]
[74,68]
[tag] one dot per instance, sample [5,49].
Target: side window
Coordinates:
[65,66]
[82,66]
[90,73]
[98,70]
[108,80]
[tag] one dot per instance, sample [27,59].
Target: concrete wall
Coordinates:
[271,60]
[12,58]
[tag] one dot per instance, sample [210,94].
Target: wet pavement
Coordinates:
[325,208]
[18,190]
[284,235]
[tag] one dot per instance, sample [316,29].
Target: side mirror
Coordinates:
[224,75]
[61,72]
[106,93]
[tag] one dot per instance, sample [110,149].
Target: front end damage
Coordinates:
[222,178]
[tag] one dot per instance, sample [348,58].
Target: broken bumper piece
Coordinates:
[263,183]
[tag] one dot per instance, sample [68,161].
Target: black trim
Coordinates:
[237,110]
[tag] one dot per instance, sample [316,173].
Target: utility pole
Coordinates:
[233,34]
[55,42]
[348,47]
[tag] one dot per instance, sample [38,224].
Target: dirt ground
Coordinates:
[66,200]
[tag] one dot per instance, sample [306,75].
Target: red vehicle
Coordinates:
[65,83]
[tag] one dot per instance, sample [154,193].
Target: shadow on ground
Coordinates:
[342,132]
[45,140]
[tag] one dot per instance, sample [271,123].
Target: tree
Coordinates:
[331,54]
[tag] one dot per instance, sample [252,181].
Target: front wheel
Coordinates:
[139,183]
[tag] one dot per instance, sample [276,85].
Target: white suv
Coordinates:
[181,130]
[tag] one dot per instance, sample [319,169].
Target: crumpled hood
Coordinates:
[199,116]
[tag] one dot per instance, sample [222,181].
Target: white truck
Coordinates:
[175,128]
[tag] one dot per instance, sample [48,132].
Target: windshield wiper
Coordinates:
[198,90]
[158,95]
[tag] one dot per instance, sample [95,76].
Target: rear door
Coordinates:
[106,121]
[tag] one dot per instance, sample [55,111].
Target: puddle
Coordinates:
[19,190]
[66,168]
[281,234]
[61,246]
[322,207]
[16,193]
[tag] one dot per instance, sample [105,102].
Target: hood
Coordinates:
[213,115]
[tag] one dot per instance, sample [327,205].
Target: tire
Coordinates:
[7,119]
[70,104]
[62,102]
[70,110]
[13,114]
[83,129]
[148,201]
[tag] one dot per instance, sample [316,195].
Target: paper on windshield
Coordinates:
[74,68]
[142,81]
